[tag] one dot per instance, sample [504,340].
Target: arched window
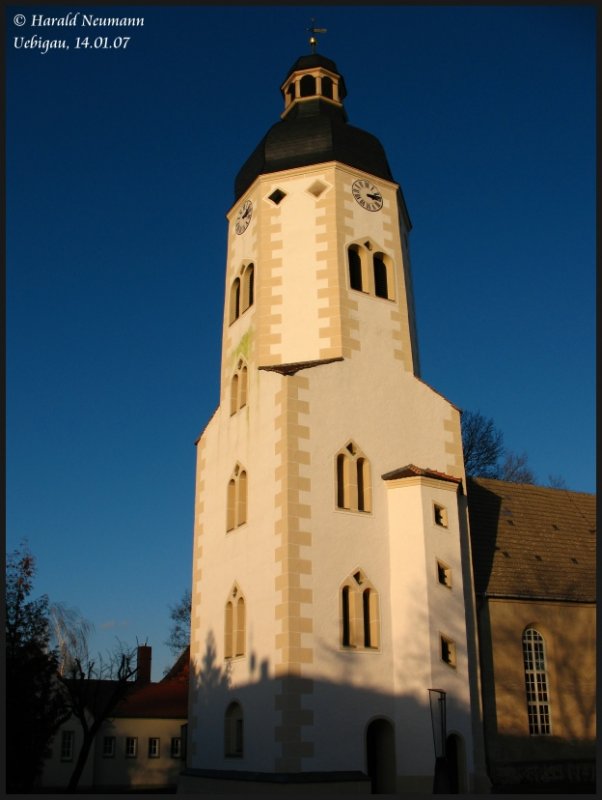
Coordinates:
[247,287]
[380,276]
[327,87]
[234,624]
[236,501]
[355,268]
[234,394]
[235,300]
[233,731]
[360,613]
[353,479]
[307,86]
[238,388]
[370,272]
[536,683]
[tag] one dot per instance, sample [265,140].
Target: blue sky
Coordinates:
[120,170]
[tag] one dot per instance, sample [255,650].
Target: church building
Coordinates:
[333,633]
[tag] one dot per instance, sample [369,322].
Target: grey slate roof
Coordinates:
[532,541]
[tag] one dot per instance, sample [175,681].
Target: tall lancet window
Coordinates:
[236,499]
[235,624]
[238,388]
[235,300]
[536,683]
[353,479]
[247,279]
[360,613]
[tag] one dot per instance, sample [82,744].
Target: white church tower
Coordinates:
[331,577]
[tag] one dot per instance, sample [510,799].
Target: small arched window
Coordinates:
[353,479]
[360,615]
[307,86]
[327,87]
[234,624]
[233,731]
[536,683]
[370,272]
[236,501]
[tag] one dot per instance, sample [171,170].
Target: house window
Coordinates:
[108,747]
[536,683]
[235,624]
[444,574]
[176,747]
[353,479]
[360,617]
[67,744]
[440,514]
[153,747]
[233,731]
[236,499]
[131,746]
[238,388]
[448,651]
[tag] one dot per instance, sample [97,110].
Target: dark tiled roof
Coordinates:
[410,471]
[532,541]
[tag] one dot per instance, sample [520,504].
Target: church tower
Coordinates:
[331,576]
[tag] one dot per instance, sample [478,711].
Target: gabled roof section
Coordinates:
[531,541]
[411,471]
[167,699]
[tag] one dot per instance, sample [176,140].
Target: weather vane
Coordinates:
[313,30]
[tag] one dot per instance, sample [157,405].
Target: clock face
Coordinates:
[367,194]
[243,217]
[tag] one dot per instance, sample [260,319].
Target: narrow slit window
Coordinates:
[380,277]
[448,651]
[444,574]
[355,269]
[440,513]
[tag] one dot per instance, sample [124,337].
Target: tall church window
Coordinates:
[238,388]
[234,624]
[536,683]
[370,272]
[236,499]
[360,613]
[233,731]
[247,287]
[380,276]
[235,300]
[353,479]
[355,268]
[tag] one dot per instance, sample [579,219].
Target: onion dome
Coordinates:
[313,128]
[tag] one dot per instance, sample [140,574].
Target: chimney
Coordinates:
[145,654]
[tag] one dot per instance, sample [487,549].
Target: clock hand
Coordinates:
[373,196]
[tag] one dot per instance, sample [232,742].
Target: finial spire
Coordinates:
[313,30]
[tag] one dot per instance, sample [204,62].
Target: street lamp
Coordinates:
[437,703]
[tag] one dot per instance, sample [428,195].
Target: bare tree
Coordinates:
[515,469]
[483,445]
[93,689]
[485,455]
[179,635]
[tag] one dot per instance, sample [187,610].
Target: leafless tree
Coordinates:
[93,689]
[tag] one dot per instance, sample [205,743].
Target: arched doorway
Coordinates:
[456,760]
[380,756]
